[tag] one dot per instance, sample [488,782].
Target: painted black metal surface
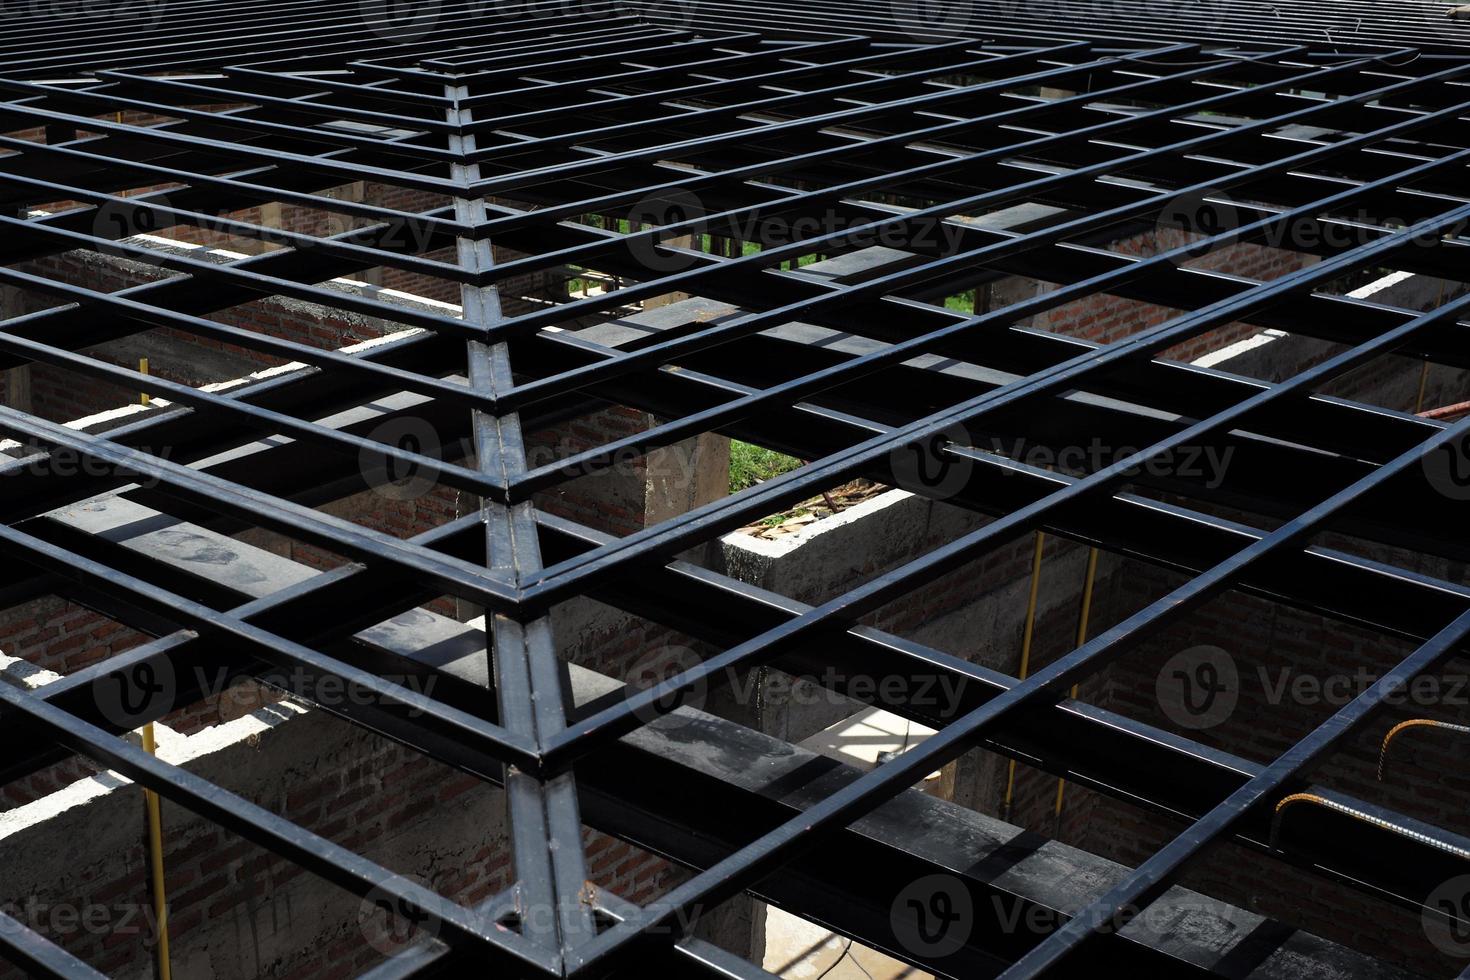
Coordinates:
[718,156]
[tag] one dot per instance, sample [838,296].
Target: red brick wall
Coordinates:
[627,871]
[1273,646]
[1105,319]
[212,874]
[62,637]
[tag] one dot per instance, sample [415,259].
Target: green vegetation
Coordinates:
[961,302]
[751,464]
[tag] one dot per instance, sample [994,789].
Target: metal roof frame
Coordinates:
[710,129]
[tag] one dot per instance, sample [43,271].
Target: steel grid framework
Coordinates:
[713,161]
[1418,28]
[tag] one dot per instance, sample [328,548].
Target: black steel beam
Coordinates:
[616,164]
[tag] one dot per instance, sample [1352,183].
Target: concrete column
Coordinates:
[270,217]
[670,298]
[17,379]
[355,193]
[686,475]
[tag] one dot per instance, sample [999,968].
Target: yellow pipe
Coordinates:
[1087,584]
[1026,635]
[155,857]
[143,369]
